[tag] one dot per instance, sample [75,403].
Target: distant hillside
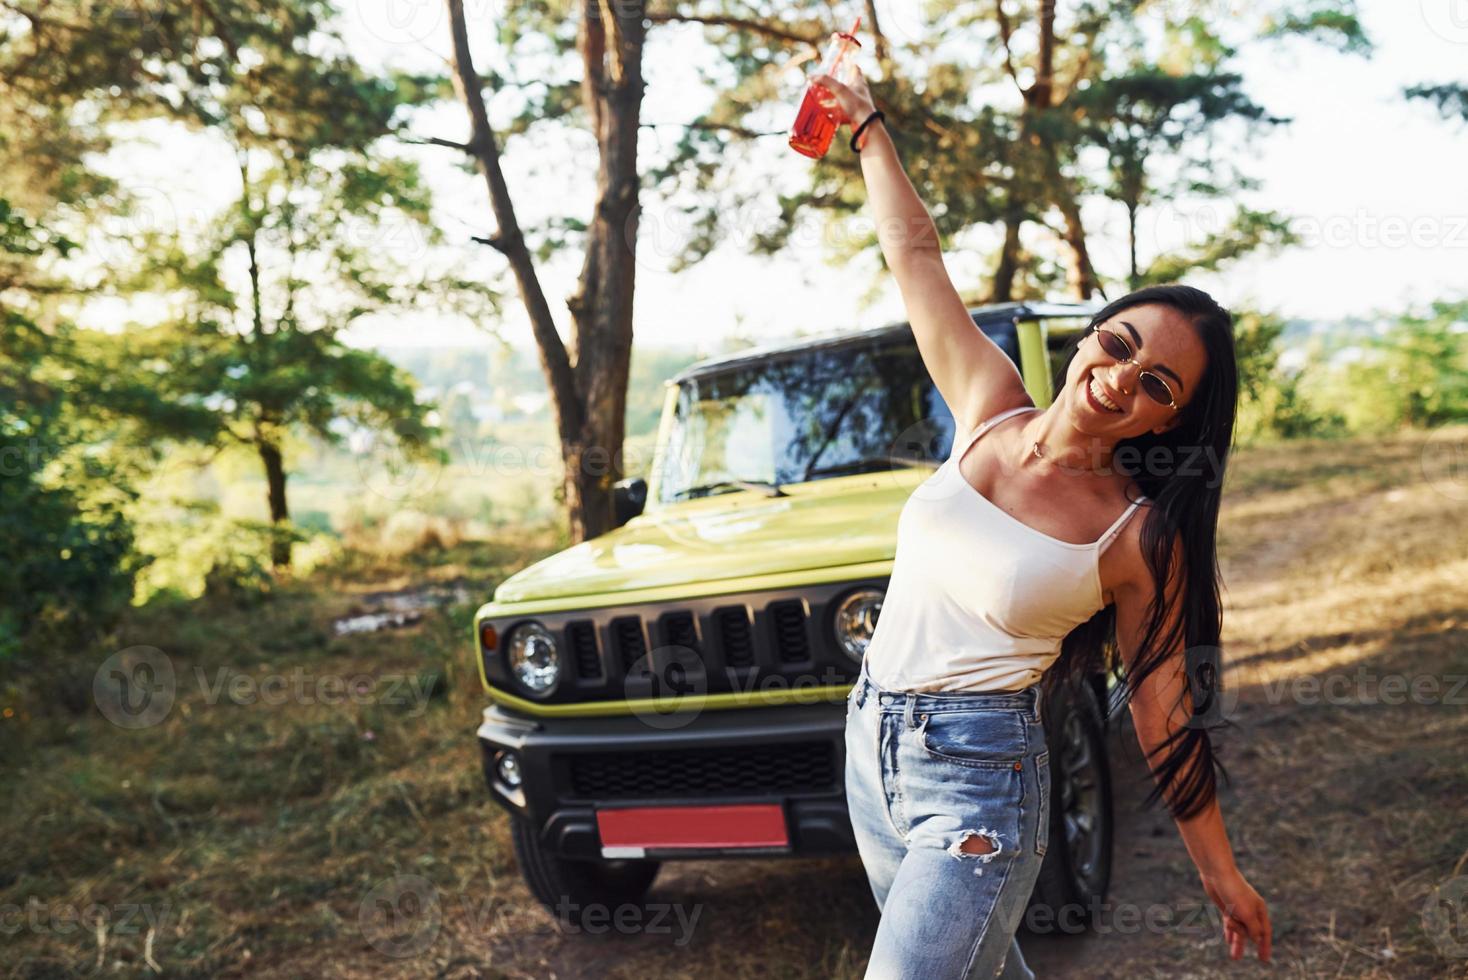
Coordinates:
[478,386]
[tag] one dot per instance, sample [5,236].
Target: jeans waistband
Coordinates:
[909,702]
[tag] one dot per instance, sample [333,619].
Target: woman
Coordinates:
[1020,556]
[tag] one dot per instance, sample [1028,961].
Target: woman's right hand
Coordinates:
[854,99]
[1245,916]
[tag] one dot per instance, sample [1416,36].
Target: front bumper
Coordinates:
[792,756]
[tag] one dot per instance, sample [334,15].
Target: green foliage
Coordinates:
[1272,405]
[1413,374]
[1451,99]
[1247,231]
[66,563]
[330,225]
[1015,127]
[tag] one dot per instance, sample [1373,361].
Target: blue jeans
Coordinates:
[924,774]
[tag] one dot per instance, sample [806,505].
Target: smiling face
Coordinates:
[1104,397]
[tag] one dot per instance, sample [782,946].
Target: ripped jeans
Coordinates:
[925,775]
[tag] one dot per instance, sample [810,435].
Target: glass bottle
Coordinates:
[820,114]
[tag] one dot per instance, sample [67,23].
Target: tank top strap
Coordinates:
[989,423]
[1110,534]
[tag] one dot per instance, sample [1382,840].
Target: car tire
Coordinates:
[1076,871]
[567,887]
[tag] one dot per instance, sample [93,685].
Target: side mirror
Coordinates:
[628,498]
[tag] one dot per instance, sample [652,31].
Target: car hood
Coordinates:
[840,521]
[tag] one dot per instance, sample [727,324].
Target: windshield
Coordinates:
[815,414]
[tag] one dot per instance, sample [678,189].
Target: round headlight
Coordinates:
[534,660]
[508,768]
[856,619]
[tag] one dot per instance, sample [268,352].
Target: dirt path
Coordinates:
[1346,809]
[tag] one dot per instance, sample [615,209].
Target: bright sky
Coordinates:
[1376,185]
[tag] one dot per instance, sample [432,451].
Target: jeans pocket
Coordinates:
[1042,824]
[981,738]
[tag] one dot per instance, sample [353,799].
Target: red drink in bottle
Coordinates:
[819,113]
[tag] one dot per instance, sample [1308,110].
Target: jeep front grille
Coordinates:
[734,634]
[758,770]
[740,642]
[787,617]
[630,644]
[581,639]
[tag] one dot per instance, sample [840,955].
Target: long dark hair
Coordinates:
[1184,495]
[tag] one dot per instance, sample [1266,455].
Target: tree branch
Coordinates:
[883,50]
[1006,31]
[553,357]
[736,23]
[436,141]
[718,127]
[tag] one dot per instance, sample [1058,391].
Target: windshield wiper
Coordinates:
[869,464]
[758,486]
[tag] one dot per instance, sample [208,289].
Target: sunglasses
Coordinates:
[1115,344]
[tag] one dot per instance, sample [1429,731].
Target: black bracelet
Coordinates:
[876,114]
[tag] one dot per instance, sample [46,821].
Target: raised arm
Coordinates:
[1160,707]
[974,376]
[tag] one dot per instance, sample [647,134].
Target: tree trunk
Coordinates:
[1081,277]
[1040,98]
[280,543]
[588,383]
[881,48]
[1004,273]
[1134,276]
[611,37]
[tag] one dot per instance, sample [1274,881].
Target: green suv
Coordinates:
[675,688]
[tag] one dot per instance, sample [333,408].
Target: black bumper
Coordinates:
[790,755]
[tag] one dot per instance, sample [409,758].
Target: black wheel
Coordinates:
[1077,868]
[568,887]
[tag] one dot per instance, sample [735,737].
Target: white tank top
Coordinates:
[978,600]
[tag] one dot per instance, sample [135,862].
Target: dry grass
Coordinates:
[257,831]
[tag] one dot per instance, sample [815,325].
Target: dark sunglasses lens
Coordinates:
[1113,345]
[1156,390]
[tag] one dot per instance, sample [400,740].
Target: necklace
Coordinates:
[1035,448]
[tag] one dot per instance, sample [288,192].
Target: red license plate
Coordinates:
[625,831]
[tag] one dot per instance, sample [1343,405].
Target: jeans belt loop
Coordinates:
[907,714]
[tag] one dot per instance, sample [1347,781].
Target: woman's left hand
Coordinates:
[853,100]
[1245,916]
